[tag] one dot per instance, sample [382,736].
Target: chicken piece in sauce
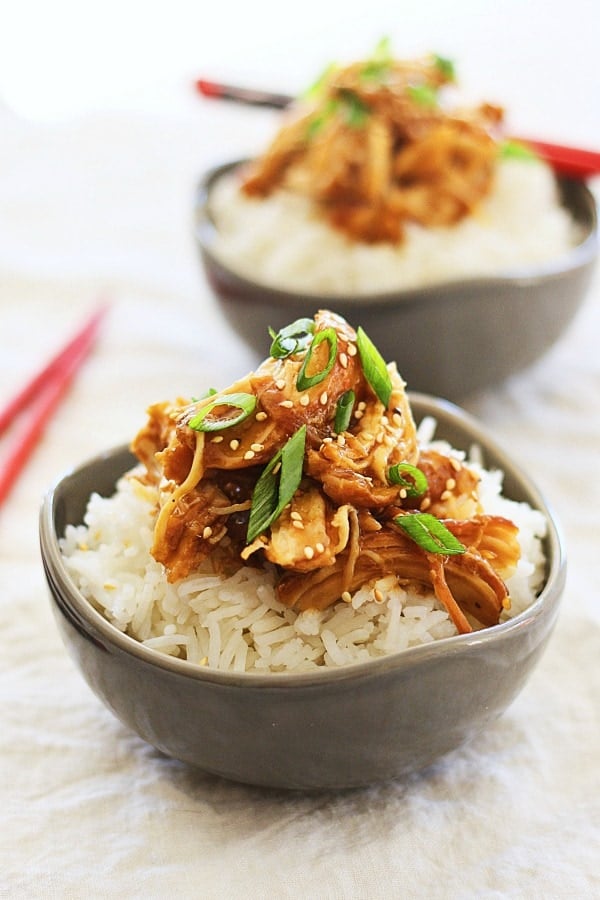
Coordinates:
[341,523]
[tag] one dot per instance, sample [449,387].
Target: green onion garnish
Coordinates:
[353,109]
[374,367]
[343,411]
[422,94]
[245,403]
[516,150]
[315,89]
[415,484]
[429,533]
[378,66]
[292,338]
[305,381]
[445,66]
[276,485]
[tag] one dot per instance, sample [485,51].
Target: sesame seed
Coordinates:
[455,464]
[287,404]
[397,419]
[234,444]
[347,597]
[295,515]
[366,436]
[280,384]
[379,437]
[358,414]
[207,532]
[425,504]
[451,484]
[309,552]
[323,398]
[319,547]
[216,439]
[344,360]
[506,604]
[296,523]
[445,495]
[304,400]
[341,440]
[351,350]
[377,595]
[328,440]
[249,454]
[261,416]
[403,493]
[257,447]
[362,405]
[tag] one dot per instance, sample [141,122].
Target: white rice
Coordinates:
[236,623]
[282,242]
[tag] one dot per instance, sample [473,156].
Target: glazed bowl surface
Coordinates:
[342,728]
[449,339]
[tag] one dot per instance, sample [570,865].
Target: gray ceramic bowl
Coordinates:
[331,729]
[448,340]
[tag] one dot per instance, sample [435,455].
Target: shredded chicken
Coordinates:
[340,527]
[376,149]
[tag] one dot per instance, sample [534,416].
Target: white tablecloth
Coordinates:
[100,205]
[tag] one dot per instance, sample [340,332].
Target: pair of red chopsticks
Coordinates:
[36,402]
[573,162]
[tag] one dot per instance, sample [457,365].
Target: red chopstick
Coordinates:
[573,162]
[40,397]
[248,96]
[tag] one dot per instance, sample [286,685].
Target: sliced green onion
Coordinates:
[343,411]
[516,150]
[423,94]
[378,66]
[374,367]
[415,484]
[276,485]
[305,381]
[292,338]
[316,88]
[445,66]
[354,110]
[429,533]
[245,403]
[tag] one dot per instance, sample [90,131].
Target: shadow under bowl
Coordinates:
[449,339]
[343,728]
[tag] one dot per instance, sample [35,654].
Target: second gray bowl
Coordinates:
[448,340]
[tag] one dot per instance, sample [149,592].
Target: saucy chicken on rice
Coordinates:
[375,148]
[311,466]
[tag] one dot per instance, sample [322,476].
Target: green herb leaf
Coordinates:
[516,150]
[277,485]
[292,338]
[203,421]
[305,381]
[415,484]
[374,367]
[422,94]
[429,533]
[445,66]
[343,411]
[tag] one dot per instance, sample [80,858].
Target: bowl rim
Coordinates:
[545,604]
[577,257]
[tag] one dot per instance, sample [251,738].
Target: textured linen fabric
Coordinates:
[103,206]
